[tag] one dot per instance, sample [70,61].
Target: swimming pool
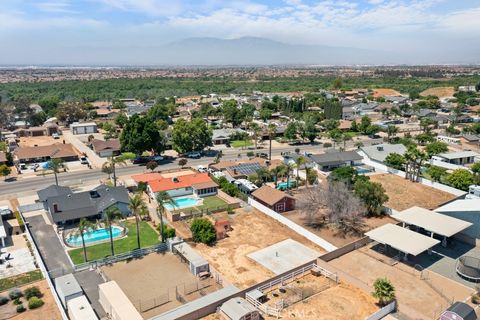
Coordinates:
[361,170]
[93,236]
[285,185]
[182,203]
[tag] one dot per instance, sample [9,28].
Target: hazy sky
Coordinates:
[66,31]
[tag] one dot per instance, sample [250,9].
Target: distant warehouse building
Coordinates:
[83,128]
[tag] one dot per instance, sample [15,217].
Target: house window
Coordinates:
[280,207]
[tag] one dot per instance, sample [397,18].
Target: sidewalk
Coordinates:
[95,160]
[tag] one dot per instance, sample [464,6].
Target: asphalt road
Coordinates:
[33,184]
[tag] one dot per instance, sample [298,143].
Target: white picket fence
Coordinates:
[292,225]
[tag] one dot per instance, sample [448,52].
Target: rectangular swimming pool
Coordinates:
[182,203]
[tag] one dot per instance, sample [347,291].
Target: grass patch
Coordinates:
[128,156]
[241,143]
[148,237]
[212,202]
[20,280]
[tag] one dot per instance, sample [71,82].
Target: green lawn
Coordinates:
[148,237]
[20,280]
[241,143]
[212,202]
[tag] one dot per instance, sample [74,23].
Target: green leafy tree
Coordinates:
[203,231]
[384,291]
[84,227]
[265,114]
[111,215]
[395,160]
[121,119]
[332,110]
[337,83]
[182,162]
[291,131]
[141,134]
[190,136]
[460,179]
[311,175]
[476,172]
[346,175]
[256,130]
[372,194]
[231,113]
[70,112]
[435,148]
[365,124]
[5,170]
[139,208]
[436,173]
[55,165]
[310,130]
[162,199]
[391,132]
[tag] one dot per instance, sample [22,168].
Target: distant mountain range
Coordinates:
[261,51]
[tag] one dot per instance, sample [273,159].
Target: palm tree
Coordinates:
[384,291]
[112,162]
[391,132]
[55,165]
[272,130]
[163,198]
[137,204]
[84,226]
[256,132]
[345,137]
[300,161]
[111,215]
[289,168]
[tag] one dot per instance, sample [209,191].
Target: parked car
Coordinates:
[262,155]
[83,160]
[55,136]
[194,155]
[202,169]
[140,160]
[157,158]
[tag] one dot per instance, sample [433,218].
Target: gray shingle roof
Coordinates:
[335,157]
[381,151]
[52,191]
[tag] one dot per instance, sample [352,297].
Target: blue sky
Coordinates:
[62,31]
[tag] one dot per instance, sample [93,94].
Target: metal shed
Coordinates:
[196,263]
[67,288]
[239,309]
[80,309]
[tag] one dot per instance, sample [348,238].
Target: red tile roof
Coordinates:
[147,177]
[158,183]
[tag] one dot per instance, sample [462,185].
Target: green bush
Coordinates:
[34,303]
[167,231]
[327,145]
[15,293]
[32,292]
[17,301]
[250,154]
[203,231]
[20,308]
[3,300]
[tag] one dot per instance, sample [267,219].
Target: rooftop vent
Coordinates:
[94,194]
[380,148]
[174,179]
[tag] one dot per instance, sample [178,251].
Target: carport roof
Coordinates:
[402,239]
[432,221]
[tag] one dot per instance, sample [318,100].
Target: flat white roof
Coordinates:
[463,205]
[432,221]
[119,301]
[82,124]
[459,154]
[402,239]
[80,308]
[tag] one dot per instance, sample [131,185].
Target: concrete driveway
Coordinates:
[94,159]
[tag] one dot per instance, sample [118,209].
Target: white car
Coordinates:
[194,155]
[55,136]
[202,169]
[83,160]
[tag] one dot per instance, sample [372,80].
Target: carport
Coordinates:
[402,239]
[433,222]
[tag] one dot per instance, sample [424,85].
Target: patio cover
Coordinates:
[432,221]
[402,239]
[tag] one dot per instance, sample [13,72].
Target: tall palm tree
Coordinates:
[84,226]
[113,162]
[256,132]
[162,199]
[272,130]
[391,132]
[289,168]
[111,215]
[137,205]
[55,165]
[300,161]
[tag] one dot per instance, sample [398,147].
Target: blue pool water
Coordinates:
[182,203]
[93,236]
[285,185]
[362,170]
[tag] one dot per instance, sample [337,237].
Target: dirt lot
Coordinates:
[48,311]
[404,194]
[381,92]
[155,277]
[440,92]
[330,234]
[251,231]
[416,298]
[39,141]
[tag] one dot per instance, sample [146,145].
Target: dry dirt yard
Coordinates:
[251,232]
[48,311]
[441,92]
[404,194]
[381,92]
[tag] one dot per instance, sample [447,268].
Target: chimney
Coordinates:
[55,208]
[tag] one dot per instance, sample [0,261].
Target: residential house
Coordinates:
[47,129]
[363,108]
[222,136]
[183,184]
[379,152]
[459,158]
[66,207]
[106,113]
[472,139]
[83,128]
[106,148]
[335,159]
[291,158]
[274,199]
[3,157]
[64,152]
[348,113]
[426,113]
[243,168]
[280,130]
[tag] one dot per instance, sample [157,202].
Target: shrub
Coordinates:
[230,210]
[34,303]
[3,300]
[203,231]
[20,308]
[476,299]
[167,231]
[32,292]
[17,301]
[327,145]
[15,293]
[250,154]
